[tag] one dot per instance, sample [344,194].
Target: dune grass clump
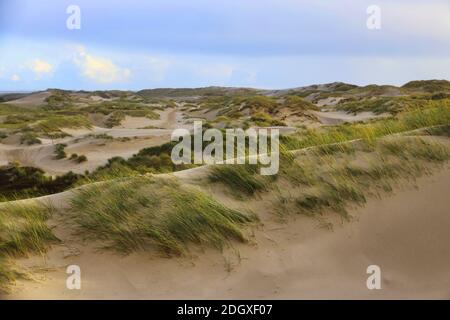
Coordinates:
[29,138]
[17,182]
[416,148]
[53,123]
[331,149]
[23,230]
[78,158]
[60,153]
[392,160]
[146,212]
[241,178]
[298,173]
[332,192]
[8,274]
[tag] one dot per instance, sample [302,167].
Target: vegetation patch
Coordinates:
[146,213]
[59,99]
[392,105]
[407,121]
[18,182]
[29,138]
[262,119]
[325,179]
[78,158]
[23,231]
[59,151]
[335,183]
[239,178]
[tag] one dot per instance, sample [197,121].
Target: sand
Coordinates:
[331,101]
[32,100]
[97,151]
[338,117]
[405,234]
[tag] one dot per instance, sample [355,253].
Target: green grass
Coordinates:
[412,120]
[331,149]
[58,99]
[392,105]
[78,158]
[29,138]
[41,121]
[428,85]
[59,151]
[416,149]
[117,110]
[327,146]
[341,184]
[146,213]
[23,230]
[263,119]
[324,179]
[17,182]
[54,123]
[299,104]
[240,178]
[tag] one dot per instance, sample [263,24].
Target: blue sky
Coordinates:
[190,43]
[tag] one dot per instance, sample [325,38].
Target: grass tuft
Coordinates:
[241,178]
[146,212]
[23,230]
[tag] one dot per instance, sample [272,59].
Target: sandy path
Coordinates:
[405,234]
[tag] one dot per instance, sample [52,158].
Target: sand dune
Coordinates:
[405,234]
[32,100]
[338,117]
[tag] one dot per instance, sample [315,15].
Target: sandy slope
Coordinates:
[170,118]
[31,100]
[405,234]
[337,117]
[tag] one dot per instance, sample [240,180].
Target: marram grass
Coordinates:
[23,230]
[145,213]
[325,178]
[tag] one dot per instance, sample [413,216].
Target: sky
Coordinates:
[274,44]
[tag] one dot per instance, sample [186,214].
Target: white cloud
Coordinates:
[40,67]
[15,77]
[100,69]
